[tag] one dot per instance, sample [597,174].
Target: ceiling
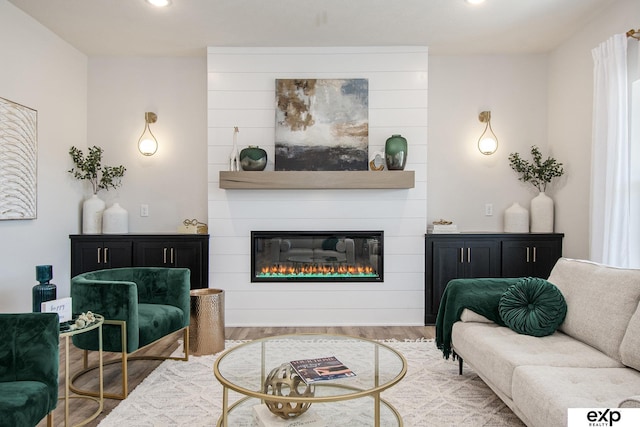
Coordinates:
[187,27]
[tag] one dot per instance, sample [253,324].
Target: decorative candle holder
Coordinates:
[43,291]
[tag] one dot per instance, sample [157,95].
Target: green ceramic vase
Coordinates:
[395,150]
[253,158]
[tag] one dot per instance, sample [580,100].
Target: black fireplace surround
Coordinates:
[317,256]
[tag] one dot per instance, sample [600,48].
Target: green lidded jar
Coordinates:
[253,158]
[395,151]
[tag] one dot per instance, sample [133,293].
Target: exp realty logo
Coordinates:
[603,417]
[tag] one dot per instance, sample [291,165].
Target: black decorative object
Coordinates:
[43,291]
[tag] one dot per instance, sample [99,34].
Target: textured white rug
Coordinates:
[431,394]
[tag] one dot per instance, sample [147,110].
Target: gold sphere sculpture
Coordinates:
[285,381]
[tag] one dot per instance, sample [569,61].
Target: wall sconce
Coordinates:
[488,141]
[148,144]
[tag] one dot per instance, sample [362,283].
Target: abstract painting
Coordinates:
[322,124]
[18,160]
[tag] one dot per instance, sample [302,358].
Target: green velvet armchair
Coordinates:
[140,305]
[29,360]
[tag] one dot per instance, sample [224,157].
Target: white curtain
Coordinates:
[610,155]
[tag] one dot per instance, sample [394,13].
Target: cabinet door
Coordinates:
[481,258]
[451,258]
[153,253]
[189,255]
[516,258]
[98,255]
[534,257]
[446,264]
[545,254]
[172,253]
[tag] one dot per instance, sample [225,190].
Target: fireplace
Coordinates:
[317,256]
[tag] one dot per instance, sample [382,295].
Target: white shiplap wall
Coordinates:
[241,92]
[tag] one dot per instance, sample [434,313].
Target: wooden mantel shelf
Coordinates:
[282,180]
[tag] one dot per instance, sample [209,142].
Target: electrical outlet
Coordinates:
[144,210]
[488,209]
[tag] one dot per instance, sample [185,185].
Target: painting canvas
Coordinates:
[322,124]
[18,161]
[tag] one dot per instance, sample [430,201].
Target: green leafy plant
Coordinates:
[91,169]
[539,173]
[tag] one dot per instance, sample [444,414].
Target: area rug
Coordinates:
[431,394]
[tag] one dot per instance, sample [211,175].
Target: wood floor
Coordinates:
[138,370]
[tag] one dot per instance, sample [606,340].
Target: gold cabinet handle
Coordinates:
[534,253]
[527,254]
[164,255]
[469,255]
[99,257]
[106,251]
[461,255]
[171,255]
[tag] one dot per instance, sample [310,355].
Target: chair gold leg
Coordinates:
[50,419]
[125,369]
[186,344]
[124,361]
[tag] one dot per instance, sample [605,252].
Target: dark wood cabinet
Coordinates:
[477,255]
[98,254]
[91,252]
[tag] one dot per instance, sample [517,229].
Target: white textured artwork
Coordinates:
[18,160]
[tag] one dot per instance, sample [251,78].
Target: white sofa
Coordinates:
[591,361]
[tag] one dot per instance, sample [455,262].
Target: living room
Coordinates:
[541,98]
[537,97]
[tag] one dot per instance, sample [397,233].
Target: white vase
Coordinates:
[115,220]
[516,219]
[542,214]
[92,209]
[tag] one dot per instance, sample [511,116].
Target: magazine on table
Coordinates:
[321,369]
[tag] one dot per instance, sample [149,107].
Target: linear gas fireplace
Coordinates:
[317,256]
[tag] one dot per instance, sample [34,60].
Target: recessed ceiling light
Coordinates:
[474,1]
[159,3]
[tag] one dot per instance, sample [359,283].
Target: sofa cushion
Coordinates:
[544,393]
[532,306]
[630,347]
[600,302]
[496,351]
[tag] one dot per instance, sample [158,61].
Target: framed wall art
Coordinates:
[18,161]
[322,124]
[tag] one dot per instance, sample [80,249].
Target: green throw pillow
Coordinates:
[533,306]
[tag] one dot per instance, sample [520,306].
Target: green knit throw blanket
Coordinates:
[479,295]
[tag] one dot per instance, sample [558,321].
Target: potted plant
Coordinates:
[100,177]
[538,173]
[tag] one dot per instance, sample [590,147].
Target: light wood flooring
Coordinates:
[138,370]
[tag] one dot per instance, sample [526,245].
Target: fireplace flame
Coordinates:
[317,269]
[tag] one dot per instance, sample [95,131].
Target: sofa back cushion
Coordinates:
[600,302]
[630,348]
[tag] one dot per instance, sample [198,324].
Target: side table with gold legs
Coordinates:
[66,334]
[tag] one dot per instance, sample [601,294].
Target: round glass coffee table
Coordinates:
[352,401]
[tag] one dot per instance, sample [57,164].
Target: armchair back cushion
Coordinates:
[154,301]
[29,360]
